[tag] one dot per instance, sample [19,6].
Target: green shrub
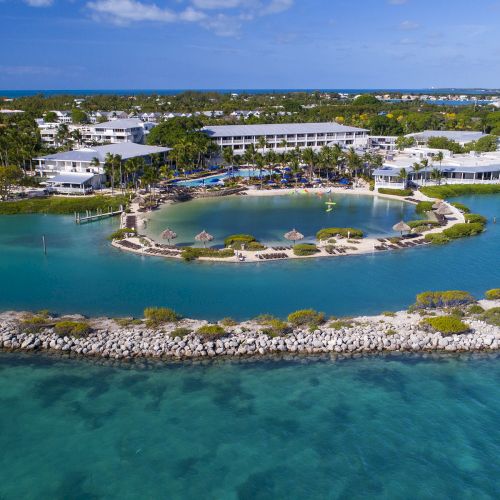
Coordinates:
[191,253]
[347,232]
[228,322]
[35,323]
[254,246]
[395,192]
[417,223]
[475,218]
[391,332]
[437,238]
[306,317]
[451,190]
[180,332]
[303,249]
[423,207]
[341,323]
[263,319]
[239,239]
[491,316]
[493,294]
[446,325]
[463,208]
[463,230]
[211,331]
[449,298]
[395,239]
[124,322]
[420,229]
[475,309]
[75,329]
[62,205]
[390,314]
[120,234]
[156,316]
[276,328]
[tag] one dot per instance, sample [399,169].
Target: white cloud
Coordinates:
[39,3]
[205,12]
[408,25]
[127,11]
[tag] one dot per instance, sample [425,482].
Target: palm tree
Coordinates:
[109,168]
[249,155]
[260,163]
[439,156]
[354,161]
[262,144]
[436,175]
[96,163]
[403,176]
[310,158]
[283,144]
[228,156]
[416,168]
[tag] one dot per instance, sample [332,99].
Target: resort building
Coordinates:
[286,136]
[111,132]
[81,170]
[472,168]
[422,138]
[382,142]
[118,131]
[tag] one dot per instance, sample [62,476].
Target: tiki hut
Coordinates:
[401,227]
[443,209]
[204,237]
[436,205]
[168,235]
[294,236]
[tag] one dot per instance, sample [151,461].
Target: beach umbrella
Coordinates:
[443,210]
[294,236]
[168,235]
[400,227]
[204,237]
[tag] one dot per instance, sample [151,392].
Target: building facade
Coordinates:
[282,137]
[90,162]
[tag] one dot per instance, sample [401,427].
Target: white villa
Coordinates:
[472,168]
[111,132]
[462,137]
[301,135]
[82,170]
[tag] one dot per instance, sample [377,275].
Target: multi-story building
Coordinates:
[462,137]
[286,136]
[82,170]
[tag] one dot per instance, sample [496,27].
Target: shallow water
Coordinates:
[381,427]
[269,217]
[83,273]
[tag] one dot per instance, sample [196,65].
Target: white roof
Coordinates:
[70,178]
[124,123]
[278,129]
[126,150]
[454,135]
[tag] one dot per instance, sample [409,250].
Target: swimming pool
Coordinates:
[216,179]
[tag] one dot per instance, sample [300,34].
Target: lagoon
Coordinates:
[269,217]
[82,273]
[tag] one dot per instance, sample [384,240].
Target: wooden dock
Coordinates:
[100,214]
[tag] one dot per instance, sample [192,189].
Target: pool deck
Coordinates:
[143,245]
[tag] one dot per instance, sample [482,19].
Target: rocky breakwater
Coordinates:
[107,339]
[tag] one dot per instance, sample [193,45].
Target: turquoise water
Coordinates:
[215,179]
[82,273]
[269,217]
[389,427]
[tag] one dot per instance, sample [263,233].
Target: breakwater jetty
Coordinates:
[181,340]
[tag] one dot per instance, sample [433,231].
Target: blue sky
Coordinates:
[65,44]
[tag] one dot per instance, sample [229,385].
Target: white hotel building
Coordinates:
[301,135]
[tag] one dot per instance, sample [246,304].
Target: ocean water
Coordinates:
[378,428]
[82,273]
[269,217]
[13,93]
